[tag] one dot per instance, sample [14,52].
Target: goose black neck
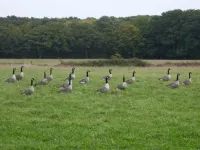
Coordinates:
[70,80]
[87,74]
[50,71]
[72,70]
[189,75]
[32,82]
[133,74]
[21,69]
[110,71]
[177,77]
[168,71]
[123,79]
[13,71]
[45,75]
[106,80]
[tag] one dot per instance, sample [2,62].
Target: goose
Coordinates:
[67,83]
[108,76]
[43,81]
[67,88]
[86,79]
[106,88]
[167,77]
[131,80]
[122,86]
[12,78]
[50,77]
[174,84]
[30,90]
[188,81]
[21,75]
[72,75]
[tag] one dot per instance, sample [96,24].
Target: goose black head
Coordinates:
[73,70]
[190,74]
[32,81]
[51,70]
[87,72]
[45,75]
[168,70]
[22,68]
[124,79]
[110,70]
[134,73]
[14,70]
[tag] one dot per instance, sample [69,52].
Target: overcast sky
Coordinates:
[91,8]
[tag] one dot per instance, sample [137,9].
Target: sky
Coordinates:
[91,8]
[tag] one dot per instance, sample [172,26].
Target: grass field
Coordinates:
[148,115]
[51,62]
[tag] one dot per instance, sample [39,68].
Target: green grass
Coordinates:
[148,115]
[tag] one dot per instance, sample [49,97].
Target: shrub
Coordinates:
[116,56]
[107,62]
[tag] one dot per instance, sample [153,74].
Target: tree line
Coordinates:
[171,35]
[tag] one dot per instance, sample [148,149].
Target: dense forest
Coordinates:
[171,35]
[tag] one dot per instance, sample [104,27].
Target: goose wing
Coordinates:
[129,81]
[65,90]
[121,86]
[173,85]
[102,90]
[49,78]
[84,80]
[65,85]
[10,80]
[27,92]
[186,82]
[42,82]
[107,76]
[19,77]
[164,78]
[170,83]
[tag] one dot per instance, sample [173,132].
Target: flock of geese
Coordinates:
[67,87]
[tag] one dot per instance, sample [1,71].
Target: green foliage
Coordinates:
[173,35]
[107,62]
[116,56]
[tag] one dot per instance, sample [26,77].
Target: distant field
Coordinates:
[148,115]
[51,62]
[171,61]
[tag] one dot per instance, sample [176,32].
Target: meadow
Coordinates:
[147,115]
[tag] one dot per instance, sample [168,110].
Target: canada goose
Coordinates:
[12,78]
[174,84]
[106,88]
[188,81]
[30,90]
[67,83]
[122,86]
[131,80]
[43,81]
[72,74]
[21,75]
[108,76]
[67,88]
[86,79]
[167,77]
[50,77]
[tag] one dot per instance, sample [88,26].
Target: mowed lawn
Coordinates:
[147,115]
